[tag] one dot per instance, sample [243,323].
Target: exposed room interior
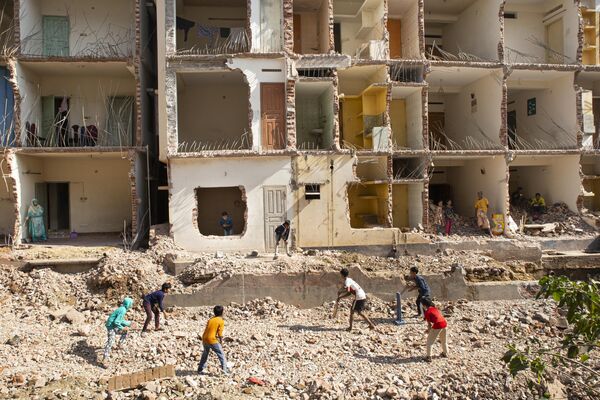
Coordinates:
[368,205]
[542,31]
[589,81]
[449,27]
[314,115]
[590,168]
[407,205]
[407,72]
[403,29]
[212,109]
[406,118]
[212,202]
[542,110]
[71,187]
[409,168]
[464,108]
[591,31]
[556,178]
[363,105]
[212,26]
[311,27]
[82,28]
[77,104]
[460,178]
[372,169]
[7,27]
[358,29]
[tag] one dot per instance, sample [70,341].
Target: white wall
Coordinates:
[477,30]
[556,105]
[314,112]
[415,205]
[462,121]
[266,24]
[556,178]
[251,173]
[92,208]
[349,29]
[326,222]
[254,70]
[414,120]
[31,106]
[410,32]
[105,28]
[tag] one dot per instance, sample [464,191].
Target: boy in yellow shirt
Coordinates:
[211,338]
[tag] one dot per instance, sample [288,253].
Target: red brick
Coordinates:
[170,370]
[118,382]
[112,384]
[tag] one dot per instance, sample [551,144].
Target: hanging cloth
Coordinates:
[184,25]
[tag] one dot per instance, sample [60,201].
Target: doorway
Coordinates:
[394,27]
[54,198]
[272,105]
[275,212]
[55,37]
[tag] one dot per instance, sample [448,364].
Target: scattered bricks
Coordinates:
[130,381]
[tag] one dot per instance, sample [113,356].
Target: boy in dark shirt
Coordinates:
[421,285]
[282,232]
[226,223]
[436,326]
[153,304]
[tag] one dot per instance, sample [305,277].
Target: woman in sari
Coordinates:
[35,222]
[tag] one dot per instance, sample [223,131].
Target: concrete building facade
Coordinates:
[348,117]
[78,128]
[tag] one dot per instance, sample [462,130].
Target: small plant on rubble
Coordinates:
[576,356]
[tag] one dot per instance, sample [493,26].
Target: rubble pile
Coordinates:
[462,227]
[565,221]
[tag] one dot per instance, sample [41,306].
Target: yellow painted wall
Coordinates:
[592,185]
[352,122]
[398,120]
[400,206]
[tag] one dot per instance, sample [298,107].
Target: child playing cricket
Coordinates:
[436,327]
[349,288]
[116,324]
[211,340]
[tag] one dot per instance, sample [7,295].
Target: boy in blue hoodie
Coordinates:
[116,324]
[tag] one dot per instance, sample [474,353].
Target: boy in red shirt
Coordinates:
[436,327]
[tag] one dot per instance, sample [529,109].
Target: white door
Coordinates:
[275,212]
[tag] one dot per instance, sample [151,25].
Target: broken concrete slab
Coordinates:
[129,381]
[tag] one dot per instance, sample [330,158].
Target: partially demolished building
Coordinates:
[348,117]
[77,116]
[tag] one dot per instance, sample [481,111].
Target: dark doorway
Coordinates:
[337,37]
[440,192]
[511,125]
[54,198]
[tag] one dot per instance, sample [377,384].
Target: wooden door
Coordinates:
[272,105]
[395,32]
[555,40]
[297,34]
[55,37]
[437,121]
[275,212]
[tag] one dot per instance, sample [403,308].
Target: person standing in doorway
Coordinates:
[153,304]
[449,217]
[35,222]
[359,304]
[438,217]
[481,208]
[282,232]
[420,285]
[226,223]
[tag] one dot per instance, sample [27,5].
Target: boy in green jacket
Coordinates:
[116,324]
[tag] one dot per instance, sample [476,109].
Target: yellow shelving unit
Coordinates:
[368,205]
[362,118]
[591,42]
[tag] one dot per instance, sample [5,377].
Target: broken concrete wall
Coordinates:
[414,121]
[251,173]
[326,222]
[482,17]
[97,29]
[8,216]
[258,71]
[266,24]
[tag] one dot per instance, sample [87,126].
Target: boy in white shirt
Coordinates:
[360,298]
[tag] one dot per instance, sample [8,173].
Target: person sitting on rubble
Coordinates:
[481,209]
[538,206]
[116,324]
[436,327]
[282,232]
[153,304]
[517,197]
[226,223]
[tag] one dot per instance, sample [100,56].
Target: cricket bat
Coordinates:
[335,309]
